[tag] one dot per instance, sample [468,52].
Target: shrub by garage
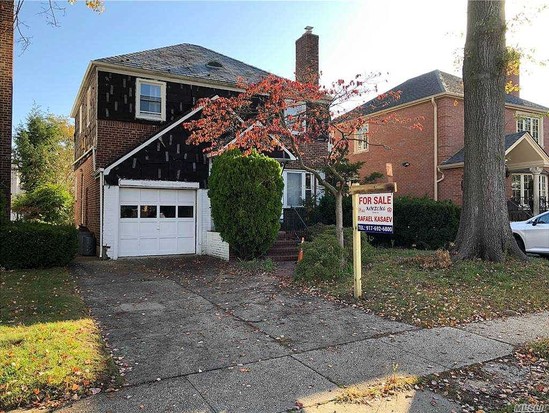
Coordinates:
[246,199]
[37,245]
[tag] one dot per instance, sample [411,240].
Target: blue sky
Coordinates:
[399,38]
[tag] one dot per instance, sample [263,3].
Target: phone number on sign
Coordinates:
[383,229]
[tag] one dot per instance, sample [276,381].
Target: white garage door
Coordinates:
[156,222]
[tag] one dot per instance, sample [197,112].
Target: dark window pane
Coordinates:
[167,211]
[128,211]
[148,211]
[185,211]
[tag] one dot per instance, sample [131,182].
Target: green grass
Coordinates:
[539,348]
[395,285]
[258,265]
[50,349]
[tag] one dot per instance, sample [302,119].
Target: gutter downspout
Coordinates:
[101,185]
[435,149]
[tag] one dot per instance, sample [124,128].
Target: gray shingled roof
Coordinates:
[423,86]
[189,60]
[460,156]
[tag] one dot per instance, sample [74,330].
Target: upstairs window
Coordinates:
[361,138]
[150,100]
[530,124]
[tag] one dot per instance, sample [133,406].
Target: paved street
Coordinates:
[197,336]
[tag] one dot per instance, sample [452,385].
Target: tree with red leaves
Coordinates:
[278,111]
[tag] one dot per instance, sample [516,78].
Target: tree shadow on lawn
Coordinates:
[50,349]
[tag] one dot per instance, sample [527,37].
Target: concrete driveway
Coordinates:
[198,335]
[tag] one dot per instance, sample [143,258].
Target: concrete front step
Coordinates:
[282,258]
[276,250]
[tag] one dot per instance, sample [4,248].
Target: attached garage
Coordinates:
[156,222]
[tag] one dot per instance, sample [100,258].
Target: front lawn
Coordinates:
[396,285]
[50,349]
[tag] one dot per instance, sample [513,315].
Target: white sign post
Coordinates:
[372,213]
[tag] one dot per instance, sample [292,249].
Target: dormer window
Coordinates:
[150,100]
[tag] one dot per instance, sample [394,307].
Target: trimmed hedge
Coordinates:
[422,223]
[37,245]
[418,222]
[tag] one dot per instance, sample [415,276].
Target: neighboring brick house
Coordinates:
[139,187]
[6,97]
[421,133]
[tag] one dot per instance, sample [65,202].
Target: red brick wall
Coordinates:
[450,187]
[450,127]
[407,144]
[86,208]
[116,138]
[6,97]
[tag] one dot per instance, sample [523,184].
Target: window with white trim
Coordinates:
[300,187]
[361,136]
[150,100]
[530,124]
[522,186]
[88,106]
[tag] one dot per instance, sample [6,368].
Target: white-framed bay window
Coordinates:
[299,187]
[150,99]
[532,124]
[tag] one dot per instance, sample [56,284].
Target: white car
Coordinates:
[533,235]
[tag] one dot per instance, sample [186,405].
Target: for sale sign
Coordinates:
[375,213]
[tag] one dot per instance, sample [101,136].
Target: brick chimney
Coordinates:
[6,96]
[306,57]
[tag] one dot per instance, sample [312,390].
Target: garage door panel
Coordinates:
[128,247]
[185,229]
[184,247]
[168,245]
[149,196]
[185,197]
[168,229]
[166,222]
[148,229]
[168,197]
[130,196]
[129,229]
[148,246]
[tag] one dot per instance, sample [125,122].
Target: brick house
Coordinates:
[139,187]
[6,98]
[421,132]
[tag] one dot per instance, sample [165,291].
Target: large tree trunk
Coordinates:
[484,230]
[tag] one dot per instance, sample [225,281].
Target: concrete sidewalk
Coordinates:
[219,341]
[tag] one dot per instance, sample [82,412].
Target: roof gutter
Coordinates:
[435,149]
